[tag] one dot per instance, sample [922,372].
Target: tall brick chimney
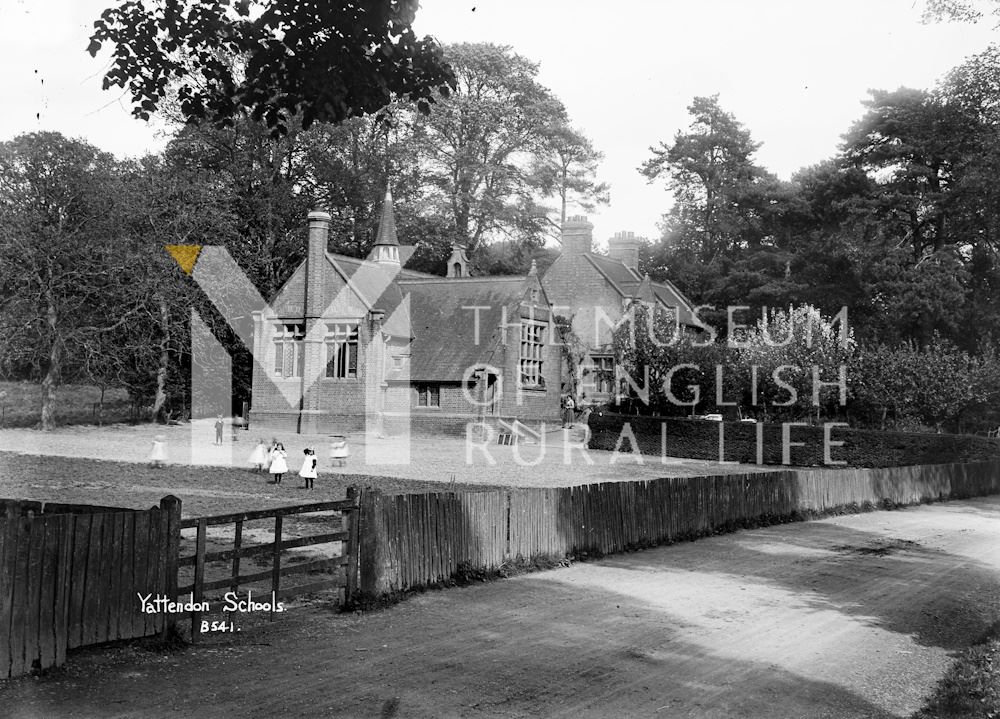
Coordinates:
[577,235]
[319,230]
[624,246]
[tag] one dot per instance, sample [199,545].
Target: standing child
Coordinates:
[219,425]
[278,464]
[338,450]
[259,456]
[308,471]
[158,455]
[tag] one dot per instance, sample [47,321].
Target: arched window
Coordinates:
[457,269]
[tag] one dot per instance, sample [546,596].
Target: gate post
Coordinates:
[171,506]
[371,554]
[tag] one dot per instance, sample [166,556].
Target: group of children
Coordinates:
[271,458]
[274,459]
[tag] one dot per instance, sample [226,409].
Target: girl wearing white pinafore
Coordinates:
[308,471]
[259,455]
[278,464]
[158,454]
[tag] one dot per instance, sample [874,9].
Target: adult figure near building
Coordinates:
[569,411]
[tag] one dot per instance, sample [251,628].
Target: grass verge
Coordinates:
[971,688]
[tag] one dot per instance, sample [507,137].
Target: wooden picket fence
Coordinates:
[70,575]
[419,539]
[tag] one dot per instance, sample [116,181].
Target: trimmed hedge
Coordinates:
[699,439]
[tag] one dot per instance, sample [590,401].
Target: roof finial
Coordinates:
[533,272]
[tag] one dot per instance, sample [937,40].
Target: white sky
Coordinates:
[793,71]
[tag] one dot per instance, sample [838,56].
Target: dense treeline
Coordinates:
[901,228]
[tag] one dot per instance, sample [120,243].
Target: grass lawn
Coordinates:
[21,404]
[202,490]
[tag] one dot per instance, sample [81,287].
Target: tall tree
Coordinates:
[478,142]
[66,276]
[720,193]
[261,178]
[566,169]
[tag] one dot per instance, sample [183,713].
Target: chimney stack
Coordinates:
[624,247]
[319,232]
[577,235]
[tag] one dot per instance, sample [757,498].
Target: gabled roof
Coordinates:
[627,282]
[373,283]
[614,271]
[445,323]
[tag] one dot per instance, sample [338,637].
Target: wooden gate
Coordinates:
[70,576]
[206,573]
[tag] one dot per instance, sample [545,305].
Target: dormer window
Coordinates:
[458,263]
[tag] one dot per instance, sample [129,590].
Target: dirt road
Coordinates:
[846,617]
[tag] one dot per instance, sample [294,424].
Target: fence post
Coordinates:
[371,550]
[276,565]
[171,506]
[199,577]
[351,520]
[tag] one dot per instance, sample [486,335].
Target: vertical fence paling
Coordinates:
[67,580]
[409,541]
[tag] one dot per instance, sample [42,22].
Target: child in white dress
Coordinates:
[308,471]
[339,450]
[158,454]
[278,464]
[259,456]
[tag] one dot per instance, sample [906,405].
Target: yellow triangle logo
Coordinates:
[186,256]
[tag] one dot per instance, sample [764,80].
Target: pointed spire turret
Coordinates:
[386,249]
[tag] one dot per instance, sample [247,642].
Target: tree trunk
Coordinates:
[160,401]
[51,379]
[100,408]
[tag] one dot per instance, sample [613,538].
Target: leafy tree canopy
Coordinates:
[308,59]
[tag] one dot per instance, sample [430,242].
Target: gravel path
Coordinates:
[852,616]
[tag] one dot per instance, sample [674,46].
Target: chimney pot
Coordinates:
[624,247]
[577,235]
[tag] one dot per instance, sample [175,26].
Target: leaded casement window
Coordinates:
[604,374]
[531,353]
[428,395]
[289,355]
[342,350]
